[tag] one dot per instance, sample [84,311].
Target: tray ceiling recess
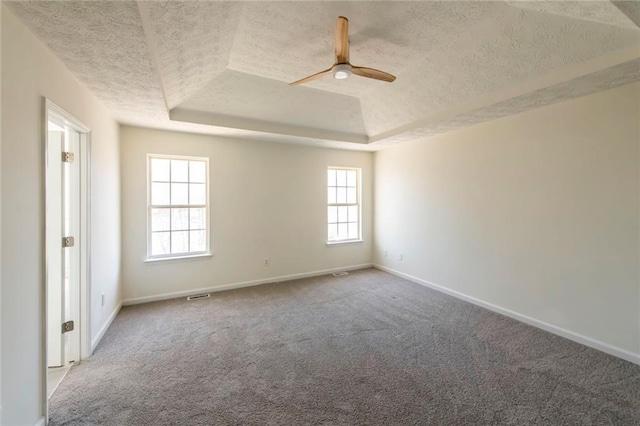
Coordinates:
[224,68]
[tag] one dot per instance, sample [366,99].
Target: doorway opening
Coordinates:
[67,145]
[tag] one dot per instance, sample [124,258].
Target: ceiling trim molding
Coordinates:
[221,120]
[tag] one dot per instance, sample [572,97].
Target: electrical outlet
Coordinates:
[266,261]
[102,299]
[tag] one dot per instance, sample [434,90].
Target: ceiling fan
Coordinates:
[342,69]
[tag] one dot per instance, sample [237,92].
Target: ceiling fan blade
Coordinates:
[311,77]
[373,73]
[341,40]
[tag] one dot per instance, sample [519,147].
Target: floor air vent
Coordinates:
[340,274]
[199,296]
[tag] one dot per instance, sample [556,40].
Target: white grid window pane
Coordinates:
[197,218]
[197,241]
[353,214]
[160,243]
[179,193]
[331,175]
[160,220]
[160,194]
[179,241]
[352,196]
[160,169]
[332,214]
[197,195]
[341,177]
[179,171]
[331,193]
[341,197]
[353,230]
[342,213]
[342,231]
[352,178]
[333,232]
[179,219]
[197,172]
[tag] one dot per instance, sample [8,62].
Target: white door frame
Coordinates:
[83,240]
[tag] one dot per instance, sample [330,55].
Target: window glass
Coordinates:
[179,171]
[178,206]
[343,199]
[160,170]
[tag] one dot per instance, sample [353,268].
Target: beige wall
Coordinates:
[536,213]
[29,72]
[1,9]
[267,200]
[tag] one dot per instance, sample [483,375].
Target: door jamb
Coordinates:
[84,157]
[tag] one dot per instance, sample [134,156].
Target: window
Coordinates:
[178,206]
[343,207]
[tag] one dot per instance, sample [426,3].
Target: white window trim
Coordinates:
[178,257]
[333,243]
[207,206]
[358,203]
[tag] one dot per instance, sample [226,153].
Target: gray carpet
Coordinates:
[366,349]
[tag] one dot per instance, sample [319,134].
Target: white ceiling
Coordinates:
[222,67]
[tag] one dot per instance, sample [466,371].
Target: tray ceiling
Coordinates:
[224,67]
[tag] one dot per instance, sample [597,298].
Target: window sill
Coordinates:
[187,256]
[333,243]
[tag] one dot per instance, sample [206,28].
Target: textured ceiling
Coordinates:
[223,67]
[604,12]
[191,43]
[256,98]
[625,73]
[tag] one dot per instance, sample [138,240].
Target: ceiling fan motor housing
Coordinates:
[341,71]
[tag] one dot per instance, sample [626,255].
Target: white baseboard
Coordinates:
[105,327]
[579,338]
[176,294]
[40,422]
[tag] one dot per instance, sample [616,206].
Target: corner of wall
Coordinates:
[95,341]
[120,292]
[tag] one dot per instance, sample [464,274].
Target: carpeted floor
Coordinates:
[365,349]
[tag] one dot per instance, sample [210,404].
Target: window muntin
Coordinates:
[343,204]
[178,206]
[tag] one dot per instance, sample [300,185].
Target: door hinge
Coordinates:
[67,326]
[68,242]
[67,157]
